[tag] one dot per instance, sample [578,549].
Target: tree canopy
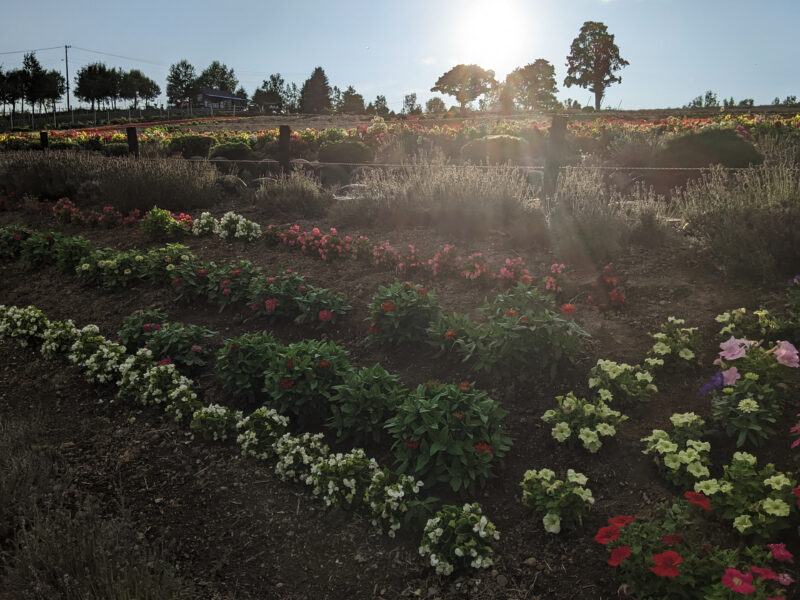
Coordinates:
[219,77]
[534,86]
[181,82]
[95,82]
[593,59]
[352,102]
[466,83]
[136,86]
[315,95]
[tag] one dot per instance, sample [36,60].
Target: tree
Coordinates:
[410,106]
[34,79]
[710,101]
[53,87]
[315,95]
[593,59]
[534,85]
[465,82]
[181,82]
[272,93]
[219,77]
[435,106]
[14,88]
[96,82]
[352,102]
[135,85]
[336,98]
[381,106]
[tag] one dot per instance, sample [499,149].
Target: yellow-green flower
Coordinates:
[742,523]
[778,481]
[776,507]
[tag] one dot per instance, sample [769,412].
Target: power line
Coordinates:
[34,50]
[142,60]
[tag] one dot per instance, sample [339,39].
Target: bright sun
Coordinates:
[494,34]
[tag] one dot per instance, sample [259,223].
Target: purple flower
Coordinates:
[733,348]
[717,381]
[730,376]
[795,280]
[786,354]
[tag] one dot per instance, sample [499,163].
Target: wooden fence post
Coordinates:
[283,148]
[43,139]
[133,141]
[552,161]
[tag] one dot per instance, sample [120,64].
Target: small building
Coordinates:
[217,99]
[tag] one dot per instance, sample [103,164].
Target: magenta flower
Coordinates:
[733,348]
[786,354]
[784,579]
[780,553]
[730,376]
[739,582]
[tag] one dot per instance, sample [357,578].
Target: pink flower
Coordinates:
[739,582]
[196,348]
[733,348]
[269,305]
[784,579]
[780,553]
[164,361]
[325,315]
[730,376]
[786,354]
[764,572]
[226,292]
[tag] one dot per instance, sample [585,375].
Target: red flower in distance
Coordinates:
[618,555]
[387,306]
[621,520]
[411,444]
[269,305]
[511,313]
[288,271]
[458,415]
[237,272]
[177,281]
[164,361]
[666,564]
[568,309]
[202,272]
[698,499]
[325,315]
[226,292]
[671,539]
[373,329]
[196,348]
[450,334]
[323,364]
[606,534]
[764,572]
[422,291]
[464,386]
[286,383]
[224,283]
[147,327]
[483,447]
[741,583]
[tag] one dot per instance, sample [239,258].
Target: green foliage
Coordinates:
[402,312]
[37,248]
[682,457]
[242,362]
[229,282]
[186,345]
[593,59]
[137,327]
[11,239]
[562,503]
[160,224]
[674,345]
[298,193]
[361,405]
[747,410]
[345,151]
[534,85]
[457,538]
[465,82]
[578,419]
[709,147]
[627,383]
[497,149]
[232,151]
[301,378]
[191,145]
[116,149]
[448,433]
[113,269]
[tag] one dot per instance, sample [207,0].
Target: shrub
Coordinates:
[342,479]
[191,145]
[234,226]
[232,151]
[185,345]
[497,149]
[625,382]
[260,431]
[682,458]
[298,193]
[561,502]
[402,312]
[242,363]
[345,151]
[215,422]
[456,538]
[137,327]
[448,433]
[575,418]
[361,405]
[116,149]
[160,224]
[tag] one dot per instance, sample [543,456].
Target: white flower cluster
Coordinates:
[99,358]
[296,456]
[623,381]
[215,422]
[131,383]
[205,225]
[682,456]
[23,325]
[560,501]
[164,386]
[259,431]
[58,338]
[582,419]
[674,344]
[388,496]
[233,225]
[341,479]
[458,538]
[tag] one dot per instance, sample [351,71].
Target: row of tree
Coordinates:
[31,84]
[710,100]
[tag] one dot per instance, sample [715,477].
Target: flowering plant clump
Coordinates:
[759,503]
[448,433]
[215,422]
[160,224]
[522,298]
[361,405]
[23,325]
[165,263]
[756,325]
[626,383]
[37,249]
[58,337]
[243,361]
[342,479]
[578,419]
[296,456]
[457,538]
[444,332]
[553,282]
[320,307]
[290,295]
[99,358]
[160,381]
[132,383]
[402,312]
[390,498]
[69,251]
[206,224]
[607,291]
[229,283]
[113,269]
[445,262]
[234,226]
[138,326]
[682,457]
[259,432]
[185,345]
[11,238]
[674,345]
[563,503]
[301,378]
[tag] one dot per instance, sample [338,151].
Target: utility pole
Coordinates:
[66,64]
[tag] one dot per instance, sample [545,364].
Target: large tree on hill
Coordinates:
[593,59]
[96,82]
[466,83]
[352,102]
[315,95]
[181,82]
[534,85]
[219,77]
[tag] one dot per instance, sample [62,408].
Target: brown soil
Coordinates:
[232,526]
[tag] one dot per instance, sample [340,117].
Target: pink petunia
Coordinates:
[734,348]
[741,583]
[730,376]
[780,553]
[786,354]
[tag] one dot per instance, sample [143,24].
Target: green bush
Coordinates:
[116,149]
[191,145]
[496,149]
[242,363]
[345,151]
[298,193]
[402,312]
[232,151]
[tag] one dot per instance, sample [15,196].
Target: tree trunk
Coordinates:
[598,98]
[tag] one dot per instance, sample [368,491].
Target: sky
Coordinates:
[677,49]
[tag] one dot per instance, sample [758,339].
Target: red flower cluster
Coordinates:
[698,499]
[325,315]
[387,306]
[666,564]
[568,309]
[269,305]
[450,334]
[323,364]
[618,555]
[464,386]
[484,447]
[286,383]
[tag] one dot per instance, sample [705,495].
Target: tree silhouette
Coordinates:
[315,95]
[95,82]
[534,85]
[592,60]
[352,102]
[181,82]
[465,82]
[435,105]
[219,77]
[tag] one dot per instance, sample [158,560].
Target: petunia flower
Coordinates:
[734,348]
[666,564]
[741,583]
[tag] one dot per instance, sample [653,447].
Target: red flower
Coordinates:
[764,572]
[739,582]
[269,305]
[147,327]
[234,347]
[450,334]
[568,309]
[290,363]
[202,272]
[464,386]
[698,499]
[164,361]
[288,271]
[177,281]
[422,291]
[618,555]
[323,364]
[621,520]
[237,272]
[17,236]
[286,383]
[387,306]
[325,315]
[671,539]
[606,534]
[458,415]
[525,278]
[411,444]
[511,313]
[373,329]
[196,348]
[666,564]
[226,292]
[483,447]
[224,283]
